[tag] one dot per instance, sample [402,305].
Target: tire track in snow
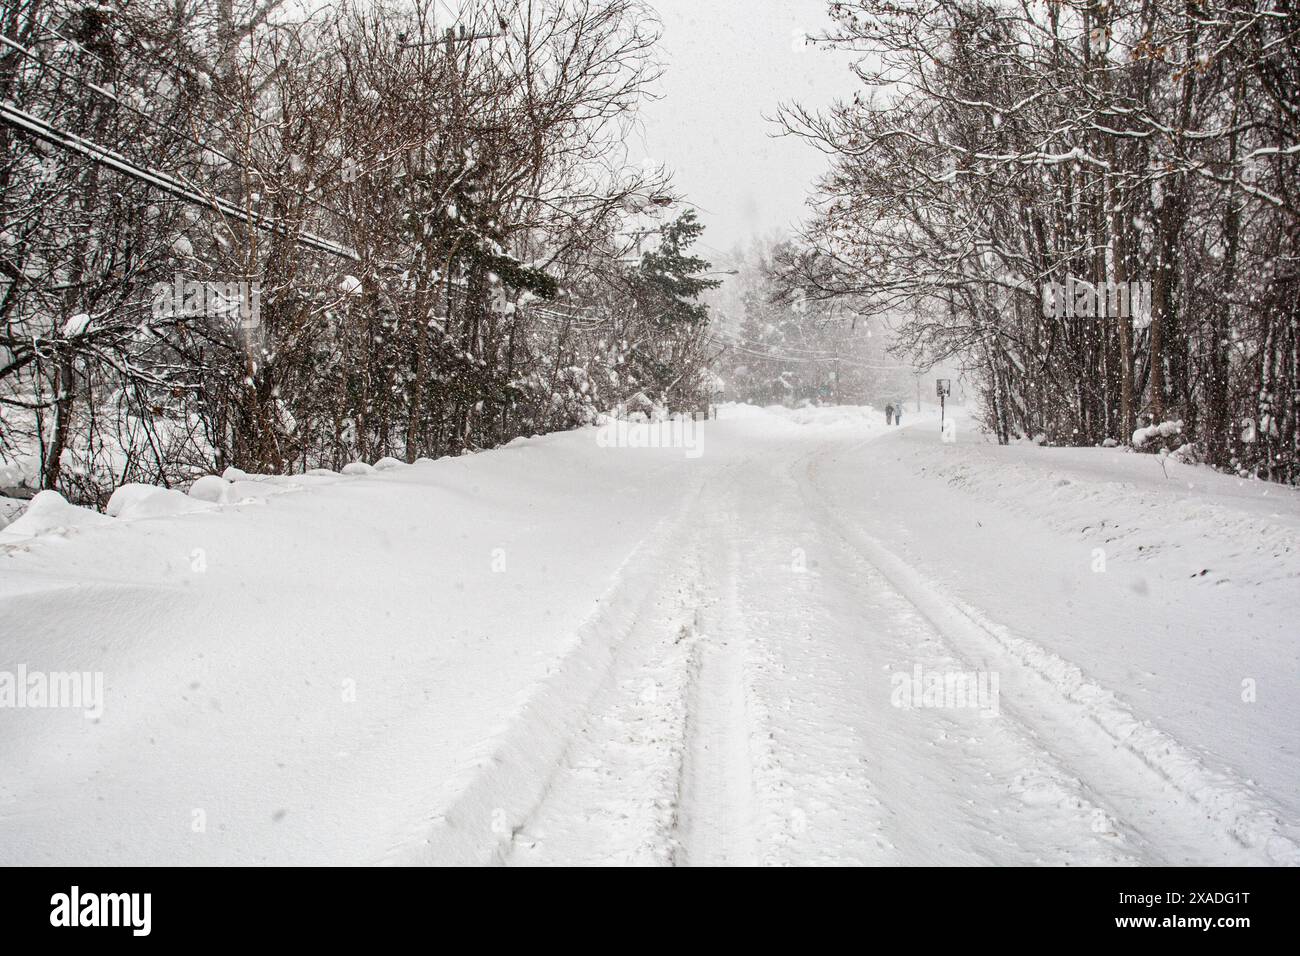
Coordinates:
[478,814]
[744,718]
[626,789]
[716,815]
[756,744]
[844,775]
[614,796]
[766,732]
[1170,802]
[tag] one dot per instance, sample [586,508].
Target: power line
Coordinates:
[147,117]
[744,349]
[455,16]
[94,87]
[70,142]
[741,340]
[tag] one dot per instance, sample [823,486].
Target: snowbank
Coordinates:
[339,674]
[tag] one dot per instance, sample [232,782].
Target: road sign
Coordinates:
[942,388]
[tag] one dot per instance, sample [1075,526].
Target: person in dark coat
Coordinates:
[889,414]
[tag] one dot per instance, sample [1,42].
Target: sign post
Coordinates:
[943,388]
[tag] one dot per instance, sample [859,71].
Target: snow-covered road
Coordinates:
[755,650]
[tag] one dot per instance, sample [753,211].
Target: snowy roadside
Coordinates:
[314,674]
[1175,593]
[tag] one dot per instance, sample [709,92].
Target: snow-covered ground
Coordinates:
[746,647]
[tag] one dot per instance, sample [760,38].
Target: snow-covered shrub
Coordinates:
[1157,437]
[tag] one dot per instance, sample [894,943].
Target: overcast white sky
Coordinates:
[728,63]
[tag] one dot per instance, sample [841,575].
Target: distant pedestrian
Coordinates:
[889,414]
[898,414]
